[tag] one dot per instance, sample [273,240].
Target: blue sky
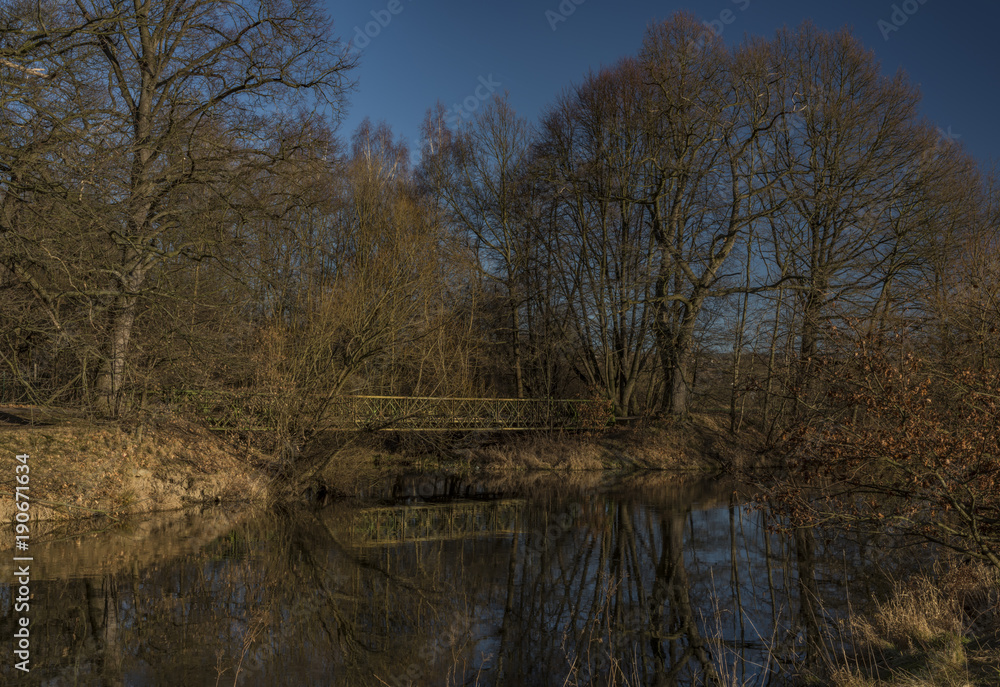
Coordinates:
[423,51]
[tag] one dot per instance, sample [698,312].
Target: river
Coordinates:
[579,579]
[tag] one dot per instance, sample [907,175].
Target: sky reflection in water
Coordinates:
[650,580]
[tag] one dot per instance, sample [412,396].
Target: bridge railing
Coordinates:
[246,411]
[426,413]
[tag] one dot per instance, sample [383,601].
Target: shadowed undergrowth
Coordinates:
[929,633]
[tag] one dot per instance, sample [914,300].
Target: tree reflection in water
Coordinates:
[654,581]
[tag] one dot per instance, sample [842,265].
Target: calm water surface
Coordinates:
[427,580]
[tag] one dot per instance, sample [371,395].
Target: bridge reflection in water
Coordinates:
[435,522]
[549,580]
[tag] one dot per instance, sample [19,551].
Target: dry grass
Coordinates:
[570,452]
[80,468]
[700,444]
[930,633]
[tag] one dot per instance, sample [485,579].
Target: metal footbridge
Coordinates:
[233,411]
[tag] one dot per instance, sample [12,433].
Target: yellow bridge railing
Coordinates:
[247,411]
[417,413]
[434,522]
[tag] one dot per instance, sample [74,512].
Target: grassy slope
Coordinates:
[942,632]
[80,468]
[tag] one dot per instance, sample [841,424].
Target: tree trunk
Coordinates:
[675,344]
[735,397]
[771,358]
[679,390]
[515,340]
[111,374]
[808,347]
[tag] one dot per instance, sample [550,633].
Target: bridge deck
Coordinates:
[249,412]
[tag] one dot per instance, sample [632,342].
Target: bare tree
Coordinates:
[851,156]
[602,254]
[708,111]
[354,278]
[477,173]
[186,87]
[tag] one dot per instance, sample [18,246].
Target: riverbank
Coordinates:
[941,631]
[82,469]
[937,630]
